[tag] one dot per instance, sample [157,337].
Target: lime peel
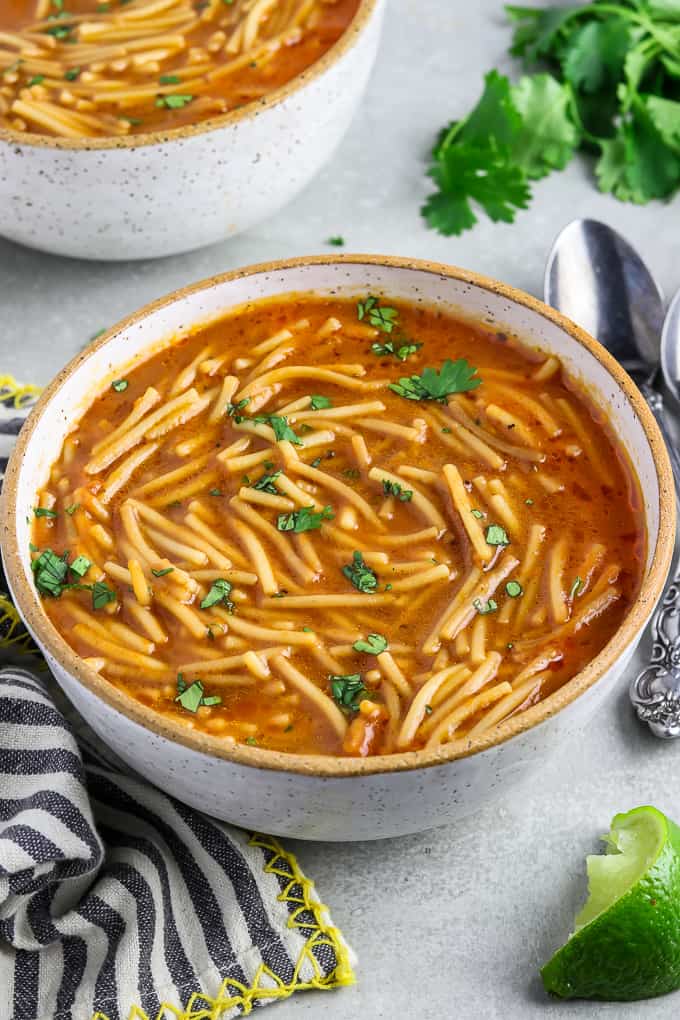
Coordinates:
[626,942]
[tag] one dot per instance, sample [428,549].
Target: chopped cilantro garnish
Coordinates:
[102,595]
[485,607]
[120,385]
[174,102]
[373,645]
[192,696]
[496,535]
[219,593]
[318,402]
[379,316]
[169,79]
[37,79]
[336,241]
[70,510]
[266,483]
[233,409]
[72,74]
[361,576]
[395,489]
[401,352]
[215,492]
[514,589]
[162,573]
[453,377]
[50,573]
[348,691]
[251,741]
[305,519]
[80,566]
[42,511]
[478,514]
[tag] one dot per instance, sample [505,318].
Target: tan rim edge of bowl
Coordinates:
[346,41]
[328,765]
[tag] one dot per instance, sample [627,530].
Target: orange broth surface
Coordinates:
[105,69]
[538,465]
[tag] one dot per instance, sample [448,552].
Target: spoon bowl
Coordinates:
[597,278]
[670,347]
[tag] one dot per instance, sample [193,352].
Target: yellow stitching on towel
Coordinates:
[233,993]
[19,395]
[13,634]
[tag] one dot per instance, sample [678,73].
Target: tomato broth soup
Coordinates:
[340,527]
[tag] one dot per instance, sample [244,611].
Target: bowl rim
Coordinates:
[332,766]
[348,39]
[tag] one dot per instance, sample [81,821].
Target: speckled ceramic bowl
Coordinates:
[325,797]
[172,191]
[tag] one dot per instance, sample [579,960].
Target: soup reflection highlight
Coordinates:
[340,527]
[91,69]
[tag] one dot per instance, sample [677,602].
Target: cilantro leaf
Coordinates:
[496,535]
[483,608]
[360,574]
[305,519]
[50,572]
[596,53]
[394,489]
[481,173]
[373,645]
[548,137]
[537,31]
[453,377]
[348,691]
[318,403]
[279,424]
[219,593]
[102,595]
[266,483]
[636,165]
[379,316]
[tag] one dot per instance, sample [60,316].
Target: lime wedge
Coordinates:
[626,945]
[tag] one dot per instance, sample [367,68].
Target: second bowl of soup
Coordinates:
[356,542]
[134,130]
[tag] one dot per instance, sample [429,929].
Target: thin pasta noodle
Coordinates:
[311,692]
[476,704]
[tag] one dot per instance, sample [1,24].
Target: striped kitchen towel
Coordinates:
[115,896]
[118,902]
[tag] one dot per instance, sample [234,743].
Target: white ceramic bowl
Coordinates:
[171,191]
[325,797]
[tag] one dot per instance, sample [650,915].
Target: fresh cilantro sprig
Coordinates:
[613,91]
[453,377]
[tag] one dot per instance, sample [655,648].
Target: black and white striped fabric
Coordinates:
[113,895]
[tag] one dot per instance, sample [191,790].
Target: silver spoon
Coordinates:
[596,278]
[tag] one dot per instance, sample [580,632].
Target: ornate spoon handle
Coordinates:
[655,693]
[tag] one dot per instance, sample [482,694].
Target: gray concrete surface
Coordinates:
[455,922]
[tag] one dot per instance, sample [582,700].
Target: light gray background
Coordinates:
[453,923]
